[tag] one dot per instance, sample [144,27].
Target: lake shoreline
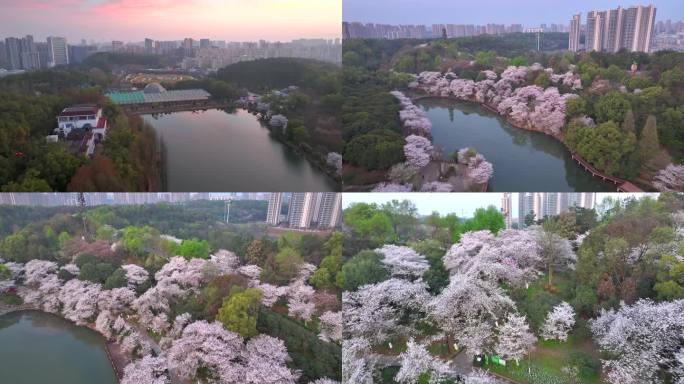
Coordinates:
[116,357]
[416,97]
[211,137]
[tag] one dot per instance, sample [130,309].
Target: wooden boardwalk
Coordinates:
[621,184]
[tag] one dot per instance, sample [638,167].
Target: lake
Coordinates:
[37,347]
[214,151]
[523,160]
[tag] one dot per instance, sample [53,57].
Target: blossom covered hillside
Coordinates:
[175,310]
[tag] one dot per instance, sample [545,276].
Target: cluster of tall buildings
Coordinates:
[214,54]
[630,28]
[25,53]
[356,30]
[305,210]
[669,35]
[52,199]
[543,204]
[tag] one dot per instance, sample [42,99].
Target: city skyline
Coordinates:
[129,20]
[527,12]
[462,204]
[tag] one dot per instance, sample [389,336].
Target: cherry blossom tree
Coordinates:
[330,326]
[251,272]
[469,310]
[226,359]
[271,293]
[334,160]
[402,173]
[148,370]
[417,151]
[479,170]
[373,311]
[266,359]
[278,121]
[555,252]
[515,338]
[392,187]
[479,376]
[403,261]
[412,117]
[415,361]
[210,346]
[558,322]
[79,300]
[135,275]
[225,261]
[511,256]
[670,179]
[358,362]
[641,339]
[324,380]
[300,304]
[44,285]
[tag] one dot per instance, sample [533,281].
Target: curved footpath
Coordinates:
[621,184]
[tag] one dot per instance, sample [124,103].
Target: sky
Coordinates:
[134,20]
[527,12]
[462,204]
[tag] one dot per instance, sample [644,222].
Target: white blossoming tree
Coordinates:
[415,361]
[641,339]
[515,338]
[558,322]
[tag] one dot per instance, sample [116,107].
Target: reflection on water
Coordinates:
[523,160]
[37,347]
[218,150]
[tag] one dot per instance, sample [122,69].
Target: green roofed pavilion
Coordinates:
[135,97]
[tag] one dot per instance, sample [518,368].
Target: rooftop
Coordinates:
[80,110]
[141,97]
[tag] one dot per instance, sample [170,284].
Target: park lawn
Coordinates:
[11,299]
[548,360]
[398,346]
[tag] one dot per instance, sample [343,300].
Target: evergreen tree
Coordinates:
[649,144]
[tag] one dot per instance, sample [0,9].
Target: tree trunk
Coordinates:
[450,343]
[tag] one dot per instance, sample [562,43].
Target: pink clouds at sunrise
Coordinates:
[132,20]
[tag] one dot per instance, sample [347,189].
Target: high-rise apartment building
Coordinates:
[117,45]
[547,204]
[149,46]
[43,54]
[300,211]
[328,212]
[525,207]
[574,35]
[630,28]
[507,209]
[3,55]
[275,205]
[13,49]
[58,52]
[28,53]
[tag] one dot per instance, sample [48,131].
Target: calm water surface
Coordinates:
[218,151]
[523,160]
[37,347]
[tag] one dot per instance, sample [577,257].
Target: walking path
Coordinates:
[158,351]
